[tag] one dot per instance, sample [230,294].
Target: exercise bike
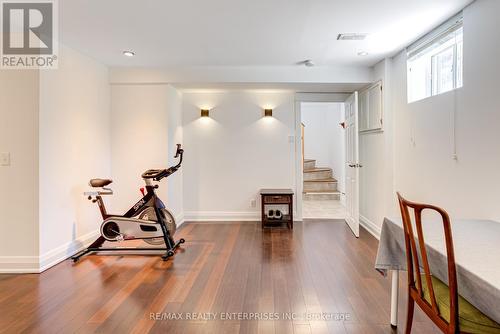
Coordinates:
[148,219]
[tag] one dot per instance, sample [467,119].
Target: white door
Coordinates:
[352,163]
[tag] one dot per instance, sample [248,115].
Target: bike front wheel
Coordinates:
[168,218]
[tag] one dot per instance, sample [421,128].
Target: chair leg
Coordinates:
[409,314]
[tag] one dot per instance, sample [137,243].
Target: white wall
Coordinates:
[19,181]
[377,158]
[235,152]
[61,131]
[273,75]
[414,154]
[145,122]
[426,171]
[74,147]
[175,198]
[324,138]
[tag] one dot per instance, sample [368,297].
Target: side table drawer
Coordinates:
[277,199]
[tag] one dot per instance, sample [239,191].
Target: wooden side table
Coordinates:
[274,198]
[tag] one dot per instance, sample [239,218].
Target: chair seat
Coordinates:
[98,183]
[470,319]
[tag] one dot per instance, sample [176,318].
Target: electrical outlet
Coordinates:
[253,203]
[4,159]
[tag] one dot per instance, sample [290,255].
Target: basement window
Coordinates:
[435,62]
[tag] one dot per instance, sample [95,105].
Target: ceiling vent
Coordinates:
[351,37]
[307,62]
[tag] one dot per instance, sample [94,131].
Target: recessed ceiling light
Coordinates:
[128,53]
[351,37]
[362,53]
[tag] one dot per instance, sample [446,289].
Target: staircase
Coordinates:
[319,183]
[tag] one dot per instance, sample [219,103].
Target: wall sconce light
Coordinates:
[204,113]
[268,113]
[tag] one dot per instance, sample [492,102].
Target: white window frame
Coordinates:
[424,46]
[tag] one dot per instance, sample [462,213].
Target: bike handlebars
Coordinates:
[158,174]
[179,151]
[152,173]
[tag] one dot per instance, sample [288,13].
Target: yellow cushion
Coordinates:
[471,320]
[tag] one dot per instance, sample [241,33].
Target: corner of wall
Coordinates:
[19,201]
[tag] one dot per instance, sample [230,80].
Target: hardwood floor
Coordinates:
[319,267]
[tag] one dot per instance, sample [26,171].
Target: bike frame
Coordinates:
[150,200]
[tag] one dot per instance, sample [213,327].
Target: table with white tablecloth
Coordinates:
[477,257]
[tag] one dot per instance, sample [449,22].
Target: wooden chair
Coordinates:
[441,302]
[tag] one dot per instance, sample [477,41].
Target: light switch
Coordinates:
[4,159]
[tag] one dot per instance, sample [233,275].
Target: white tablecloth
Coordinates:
[477,256]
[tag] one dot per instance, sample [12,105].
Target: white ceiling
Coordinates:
[246,33]
[292,87]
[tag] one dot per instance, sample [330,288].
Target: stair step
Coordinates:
[317,170]
[321,192]
[321,195]
[329,184]
[317,174]
[309,164]
[329,180]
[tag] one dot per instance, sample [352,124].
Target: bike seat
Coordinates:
[98,183]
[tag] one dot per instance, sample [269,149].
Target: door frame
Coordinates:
[299,176]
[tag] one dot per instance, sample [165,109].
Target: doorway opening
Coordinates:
[323,141]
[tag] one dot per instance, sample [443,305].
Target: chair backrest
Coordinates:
[413,262]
